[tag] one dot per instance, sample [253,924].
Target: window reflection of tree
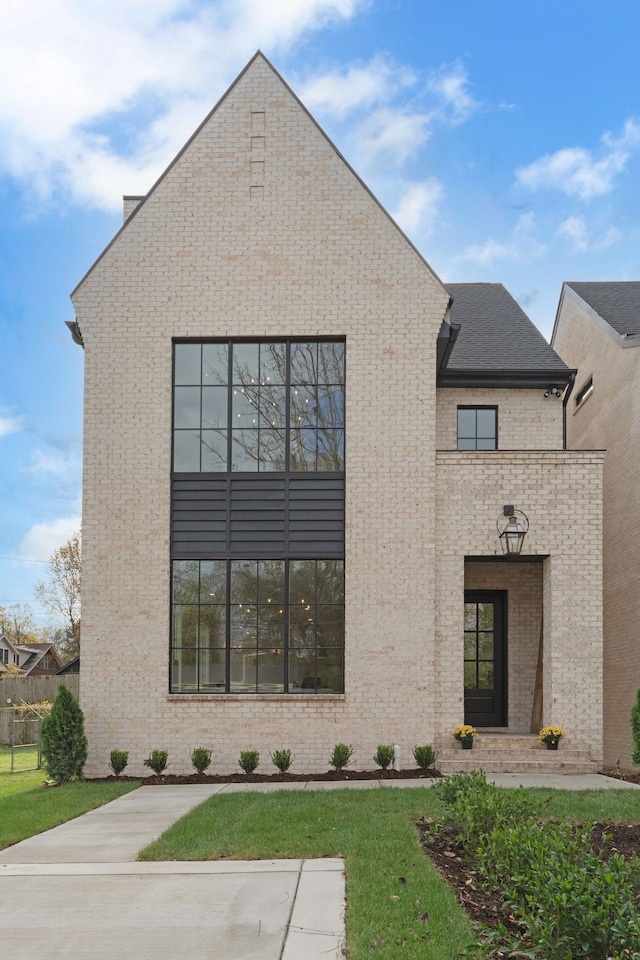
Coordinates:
[259,407]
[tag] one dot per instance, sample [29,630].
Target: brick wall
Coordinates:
[560,491]
[527,420]
[213,252]
[610,418]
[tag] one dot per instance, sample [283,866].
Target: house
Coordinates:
[301,451]
[597,331]
[30,659]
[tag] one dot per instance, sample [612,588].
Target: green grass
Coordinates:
[374,831]
[25,758]
[26,808]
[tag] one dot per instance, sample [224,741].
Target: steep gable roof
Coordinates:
[258,57]
[617,302]
[497,341]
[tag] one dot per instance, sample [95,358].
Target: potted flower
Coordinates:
[465,735]
[551,736]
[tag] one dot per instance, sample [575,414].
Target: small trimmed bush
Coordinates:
[282,759]
[635,731]
[341,756]
[425,756]
[118,760]
[157,761]
[201,759]
[249,760]
[64,744]
[383,755]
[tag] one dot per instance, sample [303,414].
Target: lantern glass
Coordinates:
[512,537]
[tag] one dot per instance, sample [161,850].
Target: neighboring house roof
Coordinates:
[73,666]
[617,302]
[37,652]
[497,342]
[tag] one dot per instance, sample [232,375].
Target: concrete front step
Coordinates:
[514,753]
[464,763]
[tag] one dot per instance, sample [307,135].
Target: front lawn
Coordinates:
[397,906]
[27,808]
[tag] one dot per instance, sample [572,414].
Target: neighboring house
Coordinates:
[38,659]
[32,659]
[299,444]
[597,330]
[73,666]
[10,656]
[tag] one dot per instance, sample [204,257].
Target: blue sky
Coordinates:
[504,137]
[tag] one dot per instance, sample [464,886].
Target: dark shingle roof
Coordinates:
[617,302]
[496,334]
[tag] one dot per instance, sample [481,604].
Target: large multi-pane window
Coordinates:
[243,622]
[258,626]
[259,406]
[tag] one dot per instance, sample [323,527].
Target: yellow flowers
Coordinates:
[465,732]
[550,735]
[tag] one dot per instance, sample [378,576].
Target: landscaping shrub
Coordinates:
[249,760]
[282,759]
[635,731]
[157,761]
[572,903]
[118,761]
[201,759]
[341,756]
[383,755]
[64,744]
[424,756]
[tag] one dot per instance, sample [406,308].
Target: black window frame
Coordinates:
[475,407]
[310,497]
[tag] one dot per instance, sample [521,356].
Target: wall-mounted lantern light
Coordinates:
[511,532]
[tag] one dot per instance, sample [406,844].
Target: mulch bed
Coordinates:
[629,777]
[487,908]
[341,775]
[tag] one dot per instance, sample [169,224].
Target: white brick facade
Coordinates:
[610,417]
[259,229]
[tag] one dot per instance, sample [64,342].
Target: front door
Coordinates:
[485,634]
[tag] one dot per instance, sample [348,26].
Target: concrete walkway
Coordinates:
[77,889]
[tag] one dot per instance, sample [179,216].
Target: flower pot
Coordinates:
[467,744]
[552,744]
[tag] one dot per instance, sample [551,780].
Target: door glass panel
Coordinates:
[485,646]
[485,676]
[470,646]
[485,616]
[470,676]
[470,616]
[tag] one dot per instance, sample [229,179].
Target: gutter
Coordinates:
[565,401]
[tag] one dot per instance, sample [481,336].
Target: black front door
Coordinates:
[485,636]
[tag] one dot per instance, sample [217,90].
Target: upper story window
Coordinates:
[584,392]
[477,428]
[259,406]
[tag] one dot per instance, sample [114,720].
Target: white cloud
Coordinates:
[68,68]
[580,172]
[44,538]
[358,87]
[53,462]
[575,230]
[391,137]
[450,84]
[520,245]
[418,205]
[9,424]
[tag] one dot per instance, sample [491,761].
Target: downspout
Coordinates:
[567,394]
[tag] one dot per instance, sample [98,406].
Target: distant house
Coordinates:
[31,659]
[73,666]
[597,331]
[302,452]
